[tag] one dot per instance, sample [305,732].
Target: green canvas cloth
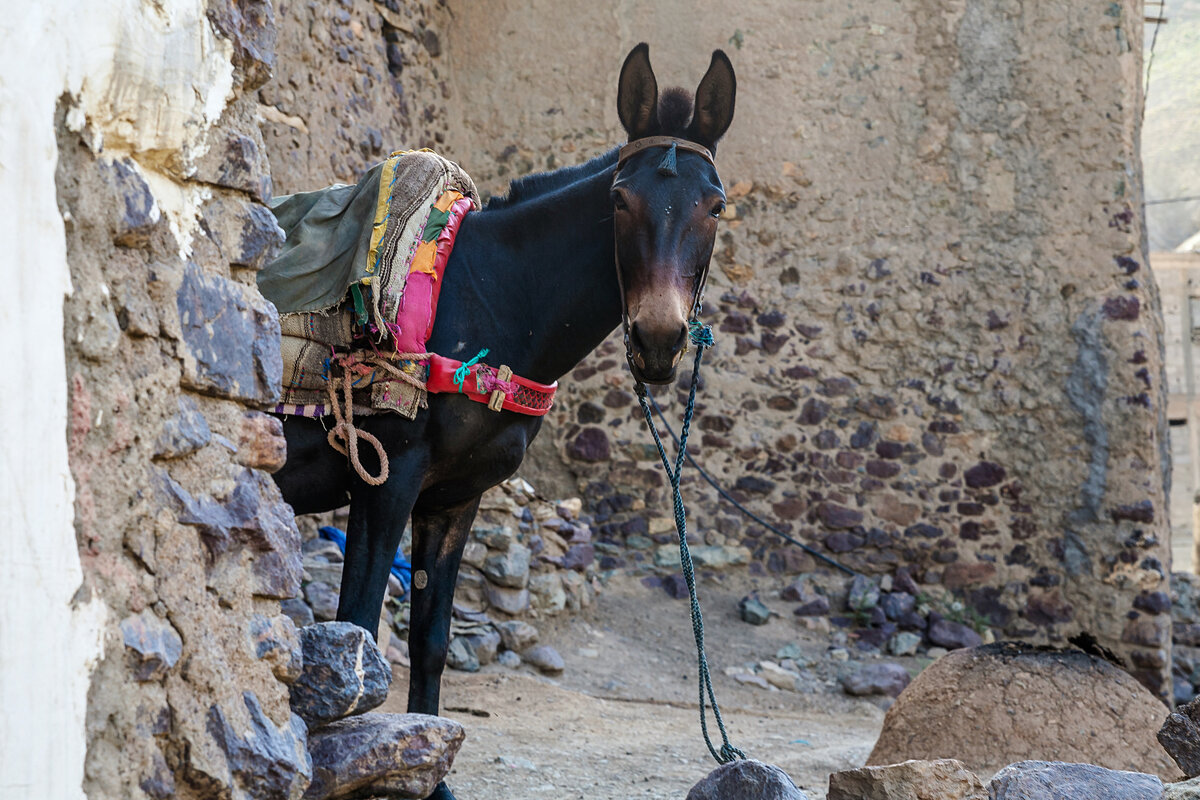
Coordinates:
[328,238]
[361,234]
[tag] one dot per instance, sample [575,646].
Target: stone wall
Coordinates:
[938,344]
[170,349]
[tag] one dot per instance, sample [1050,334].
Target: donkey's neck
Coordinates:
[534,280]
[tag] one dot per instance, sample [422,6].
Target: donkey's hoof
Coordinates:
[442,792]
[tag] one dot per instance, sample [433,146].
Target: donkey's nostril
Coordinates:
[680,339]
[635,337]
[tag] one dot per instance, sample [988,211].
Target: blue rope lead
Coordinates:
[464,369]
[701,336]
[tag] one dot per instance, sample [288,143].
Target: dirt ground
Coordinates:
[622,720]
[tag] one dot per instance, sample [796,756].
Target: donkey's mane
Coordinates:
[540,184]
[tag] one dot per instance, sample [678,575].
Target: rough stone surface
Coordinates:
[230,338]
[883,678]
[184,433]
[392,755]
[277,641]
[260,442]
[153,645]
[1180,737]
[262,760]
[1184,790]
[165,341]
[343,673]
[1055,780]
[1015,702]
[944,779]
[745,779]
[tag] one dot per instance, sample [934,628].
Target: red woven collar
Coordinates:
[483,385]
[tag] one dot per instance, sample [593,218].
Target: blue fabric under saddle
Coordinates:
[400,566]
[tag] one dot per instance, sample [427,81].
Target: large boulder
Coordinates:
[997,704]
[1054,780]
[343,673]
[912,780]
[391,755]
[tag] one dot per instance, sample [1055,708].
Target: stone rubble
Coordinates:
[1055,780]
[343,673]
[394,755]
[944,779]
[527,558]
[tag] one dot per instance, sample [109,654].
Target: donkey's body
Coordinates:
[533,279]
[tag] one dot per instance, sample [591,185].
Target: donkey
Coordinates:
[539,277]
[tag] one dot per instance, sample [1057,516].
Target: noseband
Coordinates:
[667,168]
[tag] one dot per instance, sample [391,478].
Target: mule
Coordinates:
[540,277]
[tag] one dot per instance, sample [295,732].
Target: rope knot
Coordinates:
[700,334]
[464,369]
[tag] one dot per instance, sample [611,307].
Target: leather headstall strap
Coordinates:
[628,151]
[638,145]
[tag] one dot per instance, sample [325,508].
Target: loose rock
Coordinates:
[461,655]
[944,779]
[864,594]
[517,635]
[343,674]
[904,644]
[884,678]
[1055,780]
[753,610]
[1185,790]
[545,658]
[744,779]
[953,635]
[322,599]
[1180,737]
[397,755]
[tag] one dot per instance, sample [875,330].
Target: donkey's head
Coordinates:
[666,197]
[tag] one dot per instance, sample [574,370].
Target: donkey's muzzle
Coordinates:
[654,352]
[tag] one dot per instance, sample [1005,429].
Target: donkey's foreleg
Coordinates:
[377,518]
[438,540]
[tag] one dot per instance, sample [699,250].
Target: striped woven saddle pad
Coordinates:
[359,273]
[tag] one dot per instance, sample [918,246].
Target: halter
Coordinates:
[626,152]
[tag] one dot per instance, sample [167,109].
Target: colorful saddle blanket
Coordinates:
[360,272]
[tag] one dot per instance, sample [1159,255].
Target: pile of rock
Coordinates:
[354,753]
[526,558]
[889,614]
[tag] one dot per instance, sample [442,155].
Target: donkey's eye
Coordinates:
[618,201]
[718,209]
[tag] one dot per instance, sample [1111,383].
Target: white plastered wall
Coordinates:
[148,79]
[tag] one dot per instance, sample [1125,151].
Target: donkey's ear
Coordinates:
[637,94]
[714,102]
